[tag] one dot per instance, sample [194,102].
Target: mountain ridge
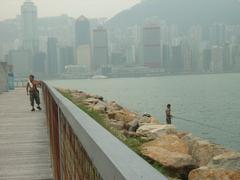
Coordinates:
[180,12]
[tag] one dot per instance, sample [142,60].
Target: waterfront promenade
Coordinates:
[24,140]
[79,146]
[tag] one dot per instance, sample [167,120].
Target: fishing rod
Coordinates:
[206,125]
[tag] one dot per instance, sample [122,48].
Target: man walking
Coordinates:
[168,114]
[34,92]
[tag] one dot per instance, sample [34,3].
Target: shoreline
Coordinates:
[187,154]
[161,75]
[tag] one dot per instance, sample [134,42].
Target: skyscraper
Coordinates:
[29,26]
[217,58]
[100,48]
[66,57]
[3,77]
[227,57]
[39,63]
[207,58]
[218,34]
[187,57]
[83,41]
[152,55]
[82,31]
[235,57]
[166,57]
[177,63]
[21,61]
[52,56]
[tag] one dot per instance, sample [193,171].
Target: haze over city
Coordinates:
[91,8]
[120,89]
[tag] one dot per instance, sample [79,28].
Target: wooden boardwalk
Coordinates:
[24,142]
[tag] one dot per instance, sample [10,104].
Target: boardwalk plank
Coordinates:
[24,142]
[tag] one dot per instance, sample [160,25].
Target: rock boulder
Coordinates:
[153,131]
[201,150]
[117,124]
[100,107]
[146,120]
[228,160]
[113,106]
[170,151]
[79,95]
[207,173]
[90,101]
[123,115]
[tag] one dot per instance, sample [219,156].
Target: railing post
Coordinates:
[53,124]
[60,141]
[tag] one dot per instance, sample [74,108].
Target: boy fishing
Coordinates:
[168,114]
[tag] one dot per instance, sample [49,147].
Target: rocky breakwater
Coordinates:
[189,157]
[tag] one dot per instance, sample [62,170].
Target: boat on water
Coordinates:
[99,77]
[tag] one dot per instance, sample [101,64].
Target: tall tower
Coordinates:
[83,42]
[151,37]
[82,31]
[29,26]
[218,34]
[100,48]
[52,56]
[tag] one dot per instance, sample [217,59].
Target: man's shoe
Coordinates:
[33,110]
[39,108]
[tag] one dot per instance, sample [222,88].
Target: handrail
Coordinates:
[94,152]
[20,83]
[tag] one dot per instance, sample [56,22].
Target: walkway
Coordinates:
[24,142]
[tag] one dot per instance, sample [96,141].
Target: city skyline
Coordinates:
[120,89]
[64,47]
[90,8]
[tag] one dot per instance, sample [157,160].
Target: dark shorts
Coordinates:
[34,96]
[169,120]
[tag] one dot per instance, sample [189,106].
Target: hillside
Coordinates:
[181,12]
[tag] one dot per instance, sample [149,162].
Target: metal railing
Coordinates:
[20,83]
[81,149]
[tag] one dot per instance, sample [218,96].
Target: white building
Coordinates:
[84,55]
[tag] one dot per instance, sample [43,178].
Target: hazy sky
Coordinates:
[75,8]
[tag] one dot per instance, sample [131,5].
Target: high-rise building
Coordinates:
[39,63]
[196,33]
[131,45]
[195,39]
[29,26]
[187,57]
[66,57]
[83,56]
[217,34]
[100,48]
[207,58]
[217,58]
[3,77]
[5,47]
[131,55]
[235,57]
[82,31]
[21,61]
[166,57]
[233,34]
[52,57]
[227,64]
[152,56]
[197,64]
[83,42]
[177,61]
